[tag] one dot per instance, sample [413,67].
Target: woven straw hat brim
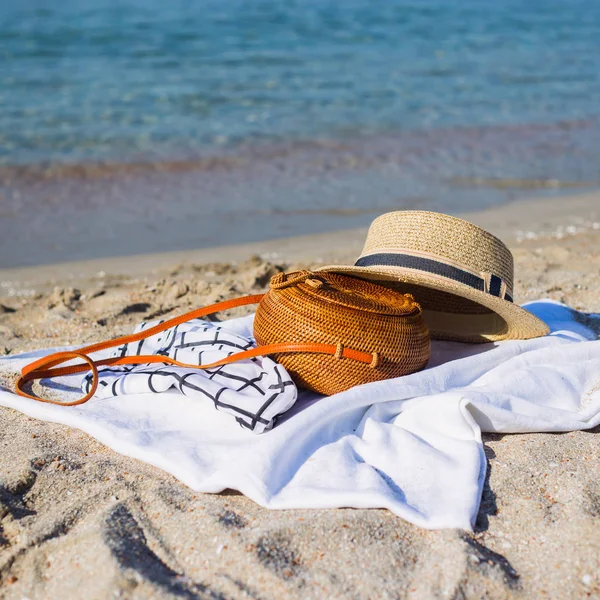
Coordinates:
[517,323]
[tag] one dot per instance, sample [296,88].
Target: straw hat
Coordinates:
[460,274]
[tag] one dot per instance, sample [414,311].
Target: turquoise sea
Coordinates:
[132,126]
[130,79]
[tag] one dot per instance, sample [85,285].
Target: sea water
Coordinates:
[124,79]
[149,125]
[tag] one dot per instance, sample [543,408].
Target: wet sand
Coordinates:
[66,212]
[76,516]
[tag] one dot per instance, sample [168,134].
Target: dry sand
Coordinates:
[78,520]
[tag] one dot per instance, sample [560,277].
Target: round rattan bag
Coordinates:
[353,314]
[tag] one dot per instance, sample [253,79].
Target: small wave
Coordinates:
[10,174]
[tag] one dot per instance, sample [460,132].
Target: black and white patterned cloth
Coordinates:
[254,391]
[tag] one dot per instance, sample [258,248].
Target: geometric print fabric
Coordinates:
[253,391]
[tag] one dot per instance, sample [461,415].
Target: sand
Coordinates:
[78,520]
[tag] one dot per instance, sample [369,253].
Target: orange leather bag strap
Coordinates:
[48,365]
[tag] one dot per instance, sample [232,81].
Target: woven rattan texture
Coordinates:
[443,236]
[329,308]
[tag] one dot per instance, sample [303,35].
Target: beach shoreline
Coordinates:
[521,223]
[54,212]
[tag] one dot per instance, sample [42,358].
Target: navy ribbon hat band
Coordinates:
[435,267]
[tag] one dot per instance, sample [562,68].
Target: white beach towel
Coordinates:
[412,445]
